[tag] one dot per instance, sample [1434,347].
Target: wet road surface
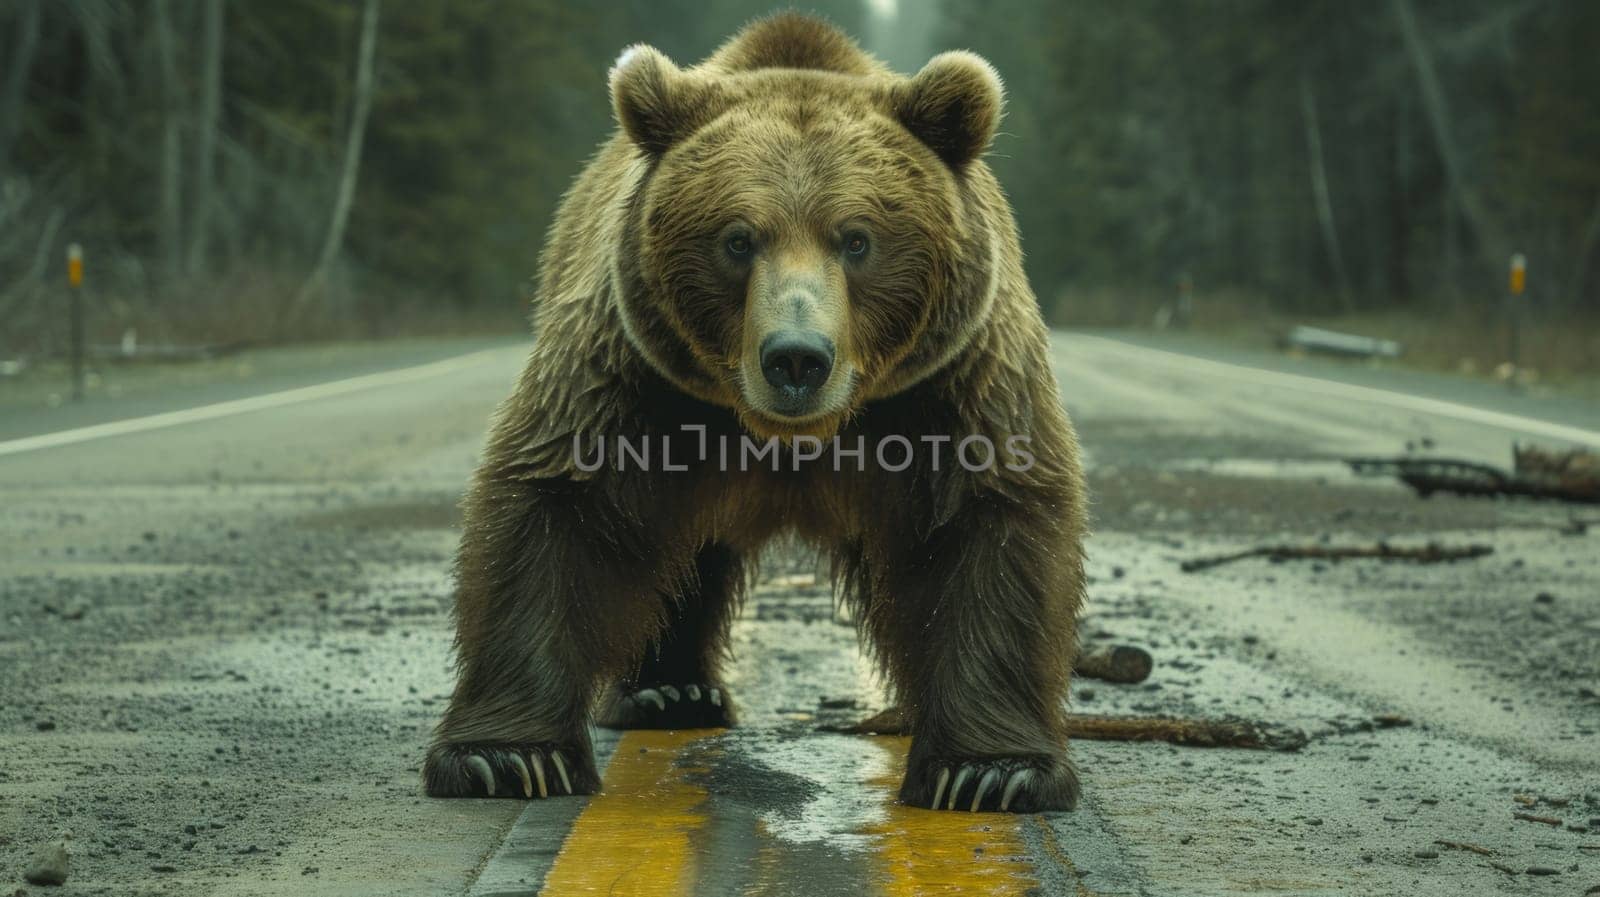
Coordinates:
[224,640]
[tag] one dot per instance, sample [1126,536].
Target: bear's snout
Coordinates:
[796,363]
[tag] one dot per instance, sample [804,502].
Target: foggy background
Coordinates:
[241,171]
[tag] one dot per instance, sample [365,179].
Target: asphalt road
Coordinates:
[224,633]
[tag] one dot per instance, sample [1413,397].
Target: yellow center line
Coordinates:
[637,836]
[922,853]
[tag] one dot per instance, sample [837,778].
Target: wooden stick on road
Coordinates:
[1226,732]
[1432,553]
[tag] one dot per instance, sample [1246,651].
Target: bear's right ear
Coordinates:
[656,102]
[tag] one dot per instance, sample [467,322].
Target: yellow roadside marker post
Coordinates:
[1519,280]
[75,316]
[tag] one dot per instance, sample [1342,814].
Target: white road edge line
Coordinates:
[244,406]
[1335,389]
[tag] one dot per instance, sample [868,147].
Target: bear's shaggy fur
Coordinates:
[790,180]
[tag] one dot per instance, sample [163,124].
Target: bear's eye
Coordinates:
[739,245]
[855,245]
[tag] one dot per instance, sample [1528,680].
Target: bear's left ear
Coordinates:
[656,102]
[953,105]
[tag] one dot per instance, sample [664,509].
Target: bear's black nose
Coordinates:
[797,362]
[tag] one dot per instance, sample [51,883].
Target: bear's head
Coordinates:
[803,238]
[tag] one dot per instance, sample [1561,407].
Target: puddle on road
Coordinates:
[767,813]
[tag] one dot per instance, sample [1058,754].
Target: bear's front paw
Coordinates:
[692,706]
[1003,784]
[483,769]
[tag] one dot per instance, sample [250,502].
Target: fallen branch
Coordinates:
[1560,476]
[1227,732]
[1473,848]
[1432,553]
[1542,820]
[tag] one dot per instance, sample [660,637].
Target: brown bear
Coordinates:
[784,245]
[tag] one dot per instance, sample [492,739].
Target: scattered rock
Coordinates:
[48,866]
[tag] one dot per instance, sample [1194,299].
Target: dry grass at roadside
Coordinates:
[245,307]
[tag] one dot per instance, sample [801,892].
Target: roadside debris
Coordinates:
[1118,663]
[1431,553]
[1472,848]
[1542,820]
[49,865]
[1332,342]
[1536,473]
[1344,726]
[1225,732]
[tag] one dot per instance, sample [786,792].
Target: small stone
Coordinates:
[49,865]
[1542,870]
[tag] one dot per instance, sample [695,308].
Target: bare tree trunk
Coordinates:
[351,168]
[1399,204]
[206,136]
[170,202]
[1491,240]
[1586,248]
[22,53]
[1319,190]
[26,287]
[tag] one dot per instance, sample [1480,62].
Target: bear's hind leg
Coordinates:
[676,685]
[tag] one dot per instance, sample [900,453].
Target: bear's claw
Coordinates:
[688,706]
[506,770]
[994,785]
